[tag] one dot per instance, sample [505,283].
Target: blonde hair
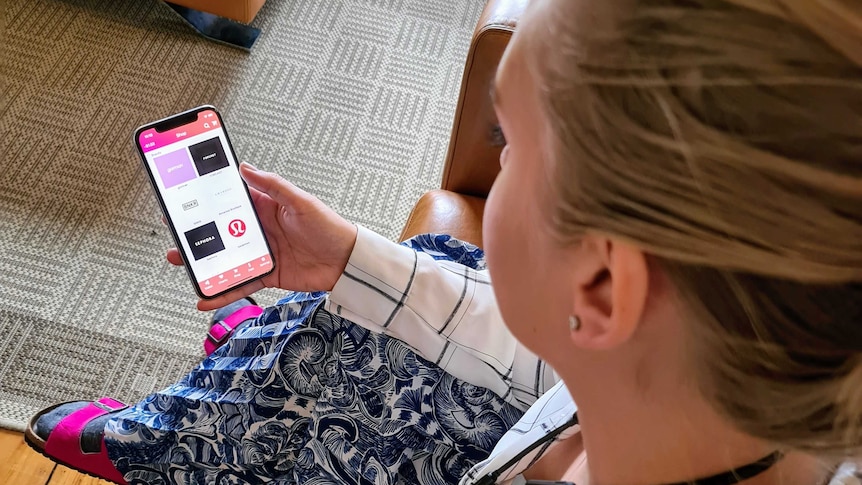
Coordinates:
[725,138]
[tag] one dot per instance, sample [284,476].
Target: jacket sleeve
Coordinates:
[445,311]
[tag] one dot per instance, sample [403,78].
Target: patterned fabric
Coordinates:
[445,311]
[443,247]
[305,396]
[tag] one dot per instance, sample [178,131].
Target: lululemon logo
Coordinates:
[236,228]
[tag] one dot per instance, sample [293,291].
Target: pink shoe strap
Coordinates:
[64,442]
[222,329]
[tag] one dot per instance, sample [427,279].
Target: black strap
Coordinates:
[738,474]
[729,477]
[491,478]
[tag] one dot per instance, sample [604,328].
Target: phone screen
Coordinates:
[194,170]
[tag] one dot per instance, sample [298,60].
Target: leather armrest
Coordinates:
[444,212]
[240,10]
[473,159]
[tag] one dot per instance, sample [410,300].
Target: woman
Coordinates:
[676,230]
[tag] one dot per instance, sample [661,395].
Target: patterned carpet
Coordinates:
[351,99]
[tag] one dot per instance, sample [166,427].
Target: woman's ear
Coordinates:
[611,287]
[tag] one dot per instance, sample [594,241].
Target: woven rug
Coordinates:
[351,99]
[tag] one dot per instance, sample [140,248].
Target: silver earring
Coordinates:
[574,323]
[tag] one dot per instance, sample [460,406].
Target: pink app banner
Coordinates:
[151,139]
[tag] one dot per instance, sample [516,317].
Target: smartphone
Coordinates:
[194,171]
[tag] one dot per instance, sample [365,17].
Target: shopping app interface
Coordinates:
[202,189]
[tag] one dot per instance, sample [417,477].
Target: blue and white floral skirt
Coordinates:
[304,396]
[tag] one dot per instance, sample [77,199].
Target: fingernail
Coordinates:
[250,166]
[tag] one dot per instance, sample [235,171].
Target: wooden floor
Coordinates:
[20,465]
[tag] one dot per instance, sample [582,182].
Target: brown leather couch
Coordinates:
[240,10]
[473,160]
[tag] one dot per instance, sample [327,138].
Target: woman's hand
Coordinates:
[310,242]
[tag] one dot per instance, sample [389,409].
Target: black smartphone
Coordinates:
[195,174]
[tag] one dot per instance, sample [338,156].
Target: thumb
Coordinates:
[275,186]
